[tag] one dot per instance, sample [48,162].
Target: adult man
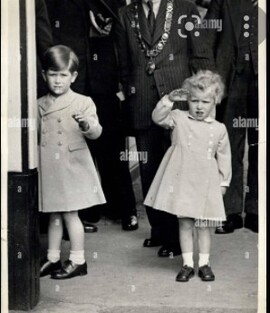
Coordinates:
[236,53]
[44,40]
[85,26]
[157,51]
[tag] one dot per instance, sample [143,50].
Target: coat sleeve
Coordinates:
[163,114]
[95,128]
[223,157]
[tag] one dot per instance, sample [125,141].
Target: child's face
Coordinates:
[201,103]
[59,82]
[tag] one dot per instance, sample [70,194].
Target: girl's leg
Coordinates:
[76,234]
[55,233]
[204,243]
[186,240]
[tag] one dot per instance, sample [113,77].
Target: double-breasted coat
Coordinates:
[68,177]
[198,162]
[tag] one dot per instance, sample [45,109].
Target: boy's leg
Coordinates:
[55,233]
[75,230]
[76,265]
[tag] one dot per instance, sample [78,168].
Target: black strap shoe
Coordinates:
[70,270]
[185,274]
[206,274]
[47,267]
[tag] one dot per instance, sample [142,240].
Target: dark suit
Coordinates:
[173,65]
[44,40]
[235,50]
[98,78]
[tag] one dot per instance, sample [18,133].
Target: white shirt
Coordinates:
[156,5]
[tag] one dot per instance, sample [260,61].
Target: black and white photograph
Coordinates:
[133,163]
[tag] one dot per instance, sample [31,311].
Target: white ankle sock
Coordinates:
[77,257]
[203,259]
[188,259]
[53,255]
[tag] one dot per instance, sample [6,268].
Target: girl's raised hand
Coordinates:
[81,119]
[178,95]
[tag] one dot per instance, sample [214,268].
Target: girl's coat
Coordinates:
[198,162]
[68,177]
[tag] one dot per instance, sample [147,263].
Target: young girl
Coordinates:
[68,178]
[196,170]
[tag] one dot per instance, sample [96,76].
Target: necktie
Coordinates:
[151,18]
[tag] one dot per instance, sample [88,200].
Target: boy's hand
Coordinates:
[178,95]
[223,190]
[81,120]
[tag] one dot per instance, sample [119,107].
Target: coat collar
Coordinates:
[50,104]
[208,119]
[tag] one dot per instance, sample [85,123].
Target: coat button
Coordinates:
[44,118]
[60,143]
[211,135]
[59,120]
[59,132]
[210,142]
[43,144]
[43,131]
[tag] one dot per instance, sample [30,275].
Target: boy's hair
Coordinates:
[203,80]
[60,57]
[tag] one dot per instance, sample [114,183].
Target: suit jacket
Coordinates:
[44,40]
[181,55]
[225,44]
[43,28]
[71,26]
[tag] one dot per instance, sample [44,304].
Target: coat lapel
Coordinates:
[160,19]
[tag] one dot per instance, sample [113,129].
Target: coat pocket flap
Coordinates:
[78,145]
